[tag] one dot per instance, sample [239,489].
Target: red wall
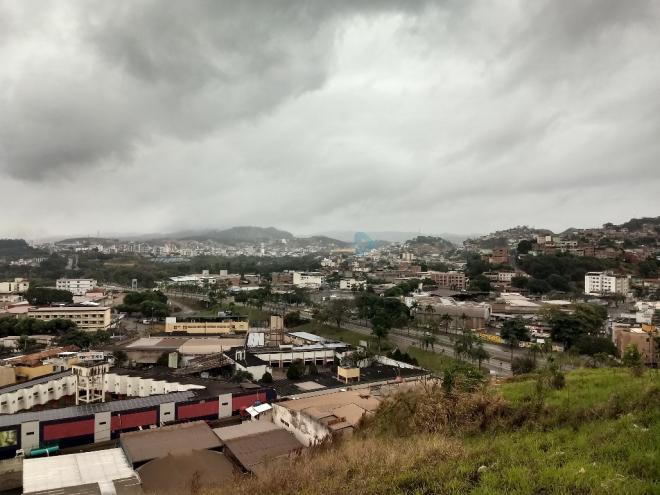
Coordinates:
[244,401]
[209,408]
[133,420]
[68,430]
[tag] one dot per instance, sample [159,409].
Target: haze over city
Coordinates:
[463,117]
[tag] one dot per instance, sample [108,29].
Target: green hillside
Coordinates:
[599,434]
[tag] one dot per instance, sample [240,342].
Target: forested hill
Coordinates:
[17,248]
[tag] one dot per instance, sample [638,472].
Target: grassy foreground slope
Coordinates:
[599,434]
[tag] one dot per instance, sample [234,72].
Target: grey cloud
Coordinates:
[179,69]
[317,115]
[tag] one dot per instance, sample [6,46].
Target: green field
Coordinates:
[332,332]
[433,361]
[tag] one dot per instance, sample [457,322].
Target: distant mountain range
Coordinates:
[396,236]
[233,235]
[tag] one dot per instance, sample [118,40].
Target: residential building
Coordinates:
[447,280]
[308,279]
[351,283]
[643,337]
[17,286]
[207,324]
[500,256]
[281,278]
[601,283]
[88,318]
[77,286]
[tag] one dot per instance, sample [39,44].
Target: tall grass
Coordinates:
[598,435]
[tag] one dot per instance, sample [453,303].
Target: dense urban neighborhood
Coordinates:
[250,345]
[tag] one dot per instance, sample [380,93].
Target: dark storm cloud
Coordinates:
[148,68]
[329,114]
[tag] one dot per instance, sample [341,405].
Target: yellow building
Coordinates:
[88,318]
[212,325]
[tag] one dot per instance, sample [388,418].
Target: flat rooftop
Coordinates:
[210,319]
[56,474]
[67,309]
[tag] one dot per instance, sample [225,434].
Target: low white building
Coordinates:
[77,286]
[350,283]
[308,279]
[600,283]
[17,286]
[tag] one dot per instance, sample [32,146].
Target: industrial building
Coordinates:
[136,400]
[207,325]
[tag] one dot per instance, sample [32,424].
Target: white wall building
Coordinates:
[308,279]
[17,286]
[599,283]
[77,286]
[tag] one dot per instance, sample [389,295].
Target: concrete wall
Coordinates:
[7,376]
[102,426]
[224,405]
[306,429]
[167,412]
[30,435]
[37,395]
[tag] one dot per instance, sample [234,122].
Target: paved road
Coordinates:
[403,341]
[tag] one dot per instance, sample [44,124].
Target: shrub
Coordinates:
[267,378]
[296,370]
[522,365]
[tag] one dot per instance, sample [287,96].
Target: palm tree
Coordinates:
[446,320]
[534,349]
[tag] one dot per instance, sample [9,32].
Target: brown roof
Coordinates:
[255,450]
[174,474]
[141,446]
[36,358]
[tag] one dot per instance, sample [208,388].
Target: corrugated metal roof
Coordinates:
[146,445]
[257,449]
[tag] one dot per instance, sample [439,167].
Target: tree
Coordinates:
[519,282]
[241,376]
[445,319]
[43,296]
[463,344]
[267,378]
[380,327]
[537,286]
[296,370]
[524,246]
[428,340]
[632,358]
[479,353]
[338,310]
[479,283]
[321,315]
[120,357]
[513,332]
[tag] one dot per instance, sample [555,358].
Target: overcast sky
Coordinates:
[312,116]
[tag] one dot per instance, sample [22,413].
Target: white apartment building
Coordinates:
[77,286]
[599,283]
[350,283]
[17,286]
[308,279]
